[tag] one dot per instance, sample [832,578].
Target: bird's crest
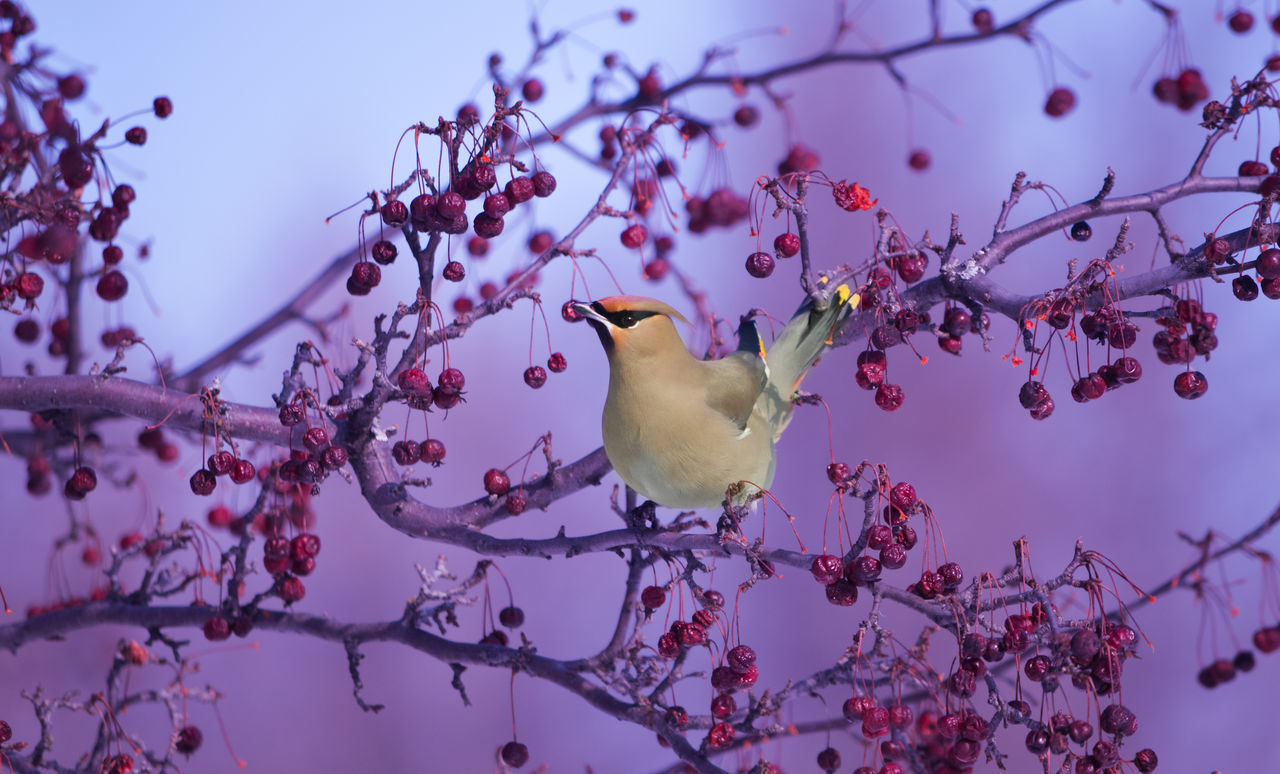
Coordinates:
[614,304]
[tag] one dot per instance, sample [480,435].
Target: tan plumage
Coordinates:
[681,431]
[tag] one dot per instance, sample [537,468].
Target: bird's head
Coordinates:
[632,324]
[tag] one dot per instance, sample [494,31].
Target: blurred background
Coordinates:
[284,116]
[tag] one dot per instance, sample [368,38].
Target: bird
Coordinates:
[689,433]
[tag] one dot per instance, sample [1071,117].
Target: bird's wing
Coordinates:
[734,382]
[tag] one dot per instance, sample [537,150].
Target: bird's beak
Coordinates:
[589,314]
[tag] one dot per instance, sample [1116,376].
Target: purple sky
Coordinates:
[283,118]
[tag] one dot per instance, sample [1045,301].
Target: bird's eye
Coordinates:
[624,319]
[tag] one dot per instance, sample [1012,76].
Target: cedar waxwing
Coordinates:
[682,431]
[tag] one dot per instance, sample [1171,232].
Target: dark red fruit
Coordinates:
[519,190]
[760,265]
[162,106]
[384,252]
[1240,21]
[746,115]
[217,629]
[557,363]
[454,271]
[136,135]
[919,160]
[826,568]
[1244,287]
[432,451]
[203,483]
[531,90]
[786,244]
[841,592]
[889,397]
[511,617]
[1252,169]
[188,740]
[633,236]
[535,376]
[496,482]
[653,597]
[242,472]
[829,759]
[515,754]
[1060,102]
[1190,385]
[544,184]
[394,213]
[983,21]
[837,472]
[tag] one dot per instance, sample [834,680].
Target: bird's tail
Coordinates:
[796,349]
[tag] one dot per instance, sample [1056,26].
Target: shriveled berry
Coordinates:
[454,271]
[841,592]
[535,376]
[889,397]
[826,568]
[394,213]
[544,184]
[760,265]
[384,252]
[557,363]
[203,483]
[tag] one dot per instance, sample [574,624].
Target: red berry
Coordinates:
[454,271]
[384,252]
[496,482]
[634,235]
[786,244]
[535,376]
[29,285]
[1241,21]
[395,214]
[136,135]
[291,590]
[889,396]
[1252,169]
[746,115]
[519,190]
[511,617]
[544,184]
[203,483]
[1190,385]
[188,740]
[919,160]
[242,472]
[1060,102]
[829,759]
[532,90]
[163,107]
[760,265]
[71,86]
[217,629]
[983,21]
[653,597]
[432,451]
[515,754]
[557,363]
